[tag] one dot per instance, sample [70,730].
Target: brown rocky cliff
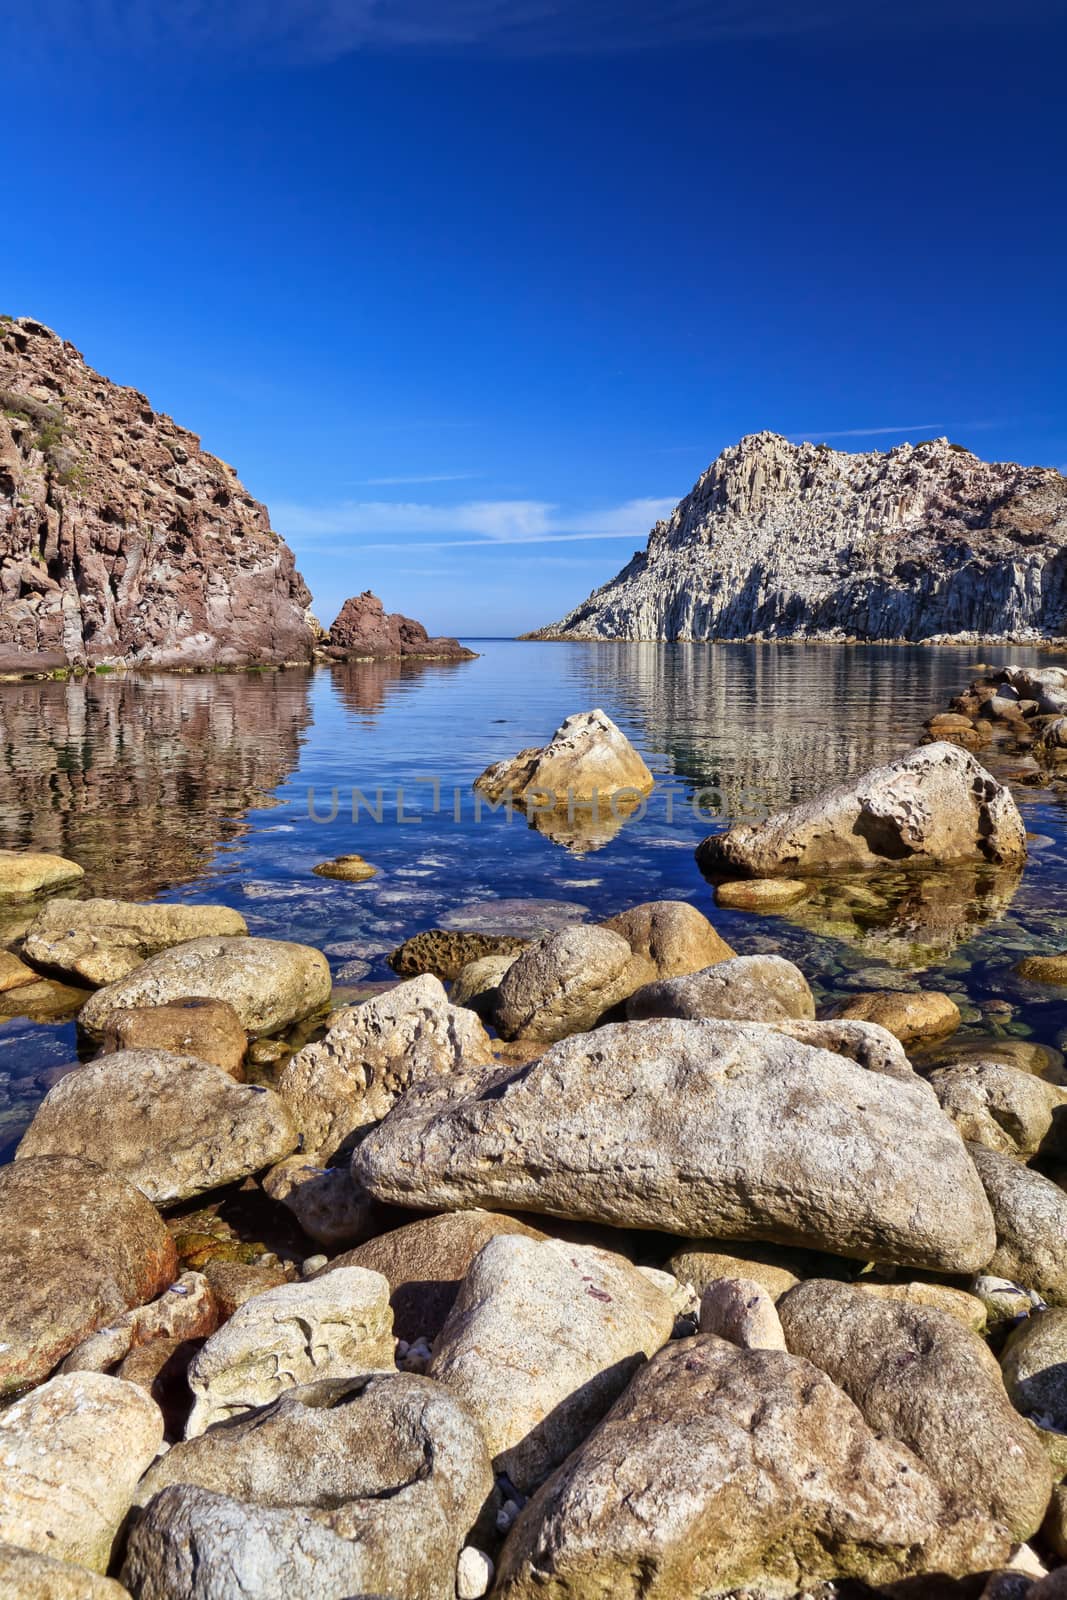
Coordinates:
[121,540]
[364,629]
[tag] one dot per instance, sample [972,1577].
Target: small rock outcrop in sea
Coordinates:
[934,807]
[781,540]
[364,630]
[121,540]
[587,758]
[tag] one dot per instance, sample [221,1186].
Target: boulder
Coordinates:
[936,806]
[26,1575]
[346,869]
[1034,1364]
[542,1338]
[172,1126]
[1044,969]
[80,1247]
[99,941]
[333,1327]
[667,939]
[346,1082]
[392,1466]
[707,1129]
[234,1282]
[14,974]
[364,630]
[563,984]
[268,982]
[742,1311]
[1030,1213]
[446,951]
[911,1018]
[587,758]
[723,1470]
[476,984]
[920,1377]
[1015,1113]
[967,1309]
[187,1310]
[865,1043]
[324,1201]
[73,1451]
[209,1029]
[746,988]
[775,1268]
[426,1261]
[28,872]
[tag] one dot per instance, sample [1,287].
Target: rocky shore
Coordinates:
[588,1262]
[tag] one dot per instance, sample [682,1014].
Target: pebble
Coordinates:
[474,1574]
[506,1516]
[313,1264]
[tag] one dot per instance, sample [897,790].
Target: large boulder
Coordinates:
[667,939]
[172,1126]
[426,1261]
[80,1247]
[393,1465]
[27,1575]
[935,806]
[99,941]
[73,1451]
[920,1377]
[1034,1364]
[372,1053]
[913,1018]
[29,872]
[587,758]
[542,1338]
[722,1469]
[333,1327]
[364,630]
[269,982]
[706,1129]
[563,984]
[745,988]
[1016,1113]
[209,1029]
[1030,1214]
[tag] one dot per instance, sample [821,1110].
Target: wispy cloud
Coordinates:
[500,523]
[901,429]
[323,30]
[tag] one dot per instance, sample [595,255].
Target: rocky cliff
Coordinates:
[121,540]
[364,631]
[779,540]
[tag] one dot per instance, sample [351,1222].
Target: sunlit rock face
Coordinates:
[121,540]
[781,540]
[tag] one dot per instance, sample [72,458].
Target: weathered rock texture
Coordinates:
[781,540]
[98,941]
[121,540]
[587,757]
[708,1129]
[363,628]
[934,807]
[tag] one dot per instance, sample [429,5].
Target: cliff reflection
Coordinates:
[141,778]
[365,686]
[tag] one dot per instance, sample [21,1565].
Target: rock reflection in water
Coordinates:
[908,919]
[365,686]
[585,828]
[140,778]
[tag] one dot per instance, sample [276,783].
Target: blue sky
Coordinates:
[470,292]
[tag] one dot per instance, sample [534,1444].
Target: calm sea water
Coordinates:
[200,789]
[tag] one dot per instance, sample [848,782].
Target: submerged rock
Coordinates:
[760,894]
[334,1327]
[80,1246]
[372,1053]
[99,941]
[171,1125]
[73,1451]
[713,1129]
[933,807]
[911,1018]
[722,1469]
[587,757]
[268,982]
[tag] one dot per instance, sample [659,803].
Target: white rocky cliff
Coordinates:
[780,540]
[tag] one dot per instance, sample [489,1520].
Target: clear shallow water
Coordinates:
[197,788]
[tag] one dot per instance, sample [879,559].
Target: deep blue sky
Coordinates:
[469,292]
